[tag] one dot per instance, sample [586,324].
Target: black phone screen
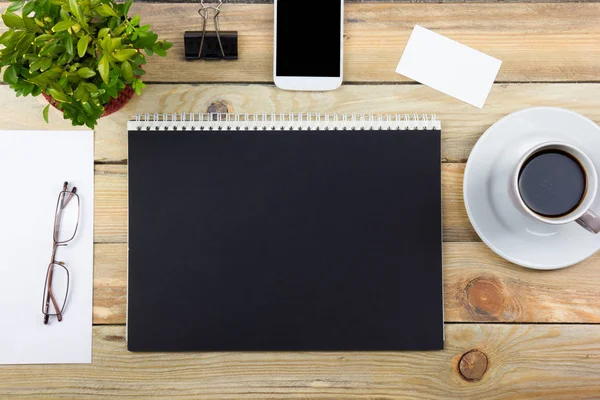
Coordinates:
[308,38]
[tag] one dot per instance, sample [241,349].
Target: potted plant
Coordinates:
[84,56]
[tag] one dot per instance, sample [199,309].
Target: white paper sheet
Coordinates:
[448,66]
[33,168]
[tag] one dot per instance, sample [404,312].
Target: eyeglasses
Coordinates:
[66,222]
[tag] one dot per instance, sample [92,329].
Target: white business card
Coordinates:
[448,66]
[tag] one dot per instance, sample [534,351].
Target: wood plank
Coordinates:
[537,42]
[478,287]
[111,205]
[518,367]
[110,283]
[462,123]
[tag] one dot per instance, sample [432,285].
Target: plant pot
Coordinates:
[113,105]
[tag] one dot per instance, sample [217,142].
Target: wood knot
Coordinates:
[472,365]
[487,297]
[220,106]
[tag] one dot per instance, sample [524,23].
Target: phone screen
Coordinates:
[308,38]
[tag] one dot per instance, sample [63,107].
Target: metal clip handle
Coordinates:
[204,14]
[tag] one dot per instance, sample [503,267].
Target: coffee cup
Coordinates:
[556,183]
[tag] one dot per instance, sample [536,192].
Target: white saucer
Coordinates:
[504,228]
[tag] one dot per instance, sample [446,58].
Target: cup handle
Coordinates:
[590,221]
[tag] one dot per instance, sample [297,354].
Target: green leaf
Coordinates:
[63,14]
[46,63]
[25,43]
[87,108]
[36,65]
[112,91]
[113,22]
[123,55]
[30,25]
[17,5]
[104,10]
[29,7]
[135,21]
[105,44]
[139,85]
[160,52]
[12,20]
[82,45]
[69,44]
[127,71]
[58,96]
[126,7]
[63,26]
[90,87]
[48,49]
[27,89]
[85,72]
[6,37]
[103,32]
[120,29]
[76,11]
[43,38]
[146,41]
[103,68]
[114,44]
[81,94]
[149,52]
[10,75]
[45,112]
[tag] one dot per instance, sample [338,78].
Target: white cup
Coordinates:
[582,214]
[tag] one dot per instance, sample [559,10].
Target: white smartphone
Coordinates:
[309,45]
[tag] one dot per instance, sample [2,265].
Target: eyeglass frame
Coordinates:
[48,296]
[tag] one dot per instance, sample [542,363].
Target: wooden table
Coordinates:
[511,333]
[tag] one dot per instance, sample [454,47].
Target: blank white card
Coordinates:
[448,66]
[33,167]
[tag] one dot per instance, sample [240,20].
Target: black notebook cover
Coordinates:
[310,240]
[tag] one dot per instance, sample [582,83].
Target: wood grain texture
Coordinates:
[536,42]
[110,283]
[478,287]
[111,205]
[519,368]
[462,123]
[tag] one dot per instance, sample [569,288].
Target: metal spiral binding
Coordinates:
[288,121]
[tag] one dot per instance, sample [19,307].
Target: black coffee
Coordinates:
[552,183]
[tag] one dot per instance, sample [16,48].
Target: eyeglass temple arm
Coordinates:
[68,199]
[50,297]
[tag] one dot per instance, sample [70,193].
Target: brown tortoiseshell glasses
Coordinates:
[66,222]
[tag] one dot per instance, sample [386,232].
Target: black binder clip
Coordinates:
[203,45]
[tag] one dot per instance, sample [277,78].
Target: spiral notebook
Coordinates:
[300,232]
